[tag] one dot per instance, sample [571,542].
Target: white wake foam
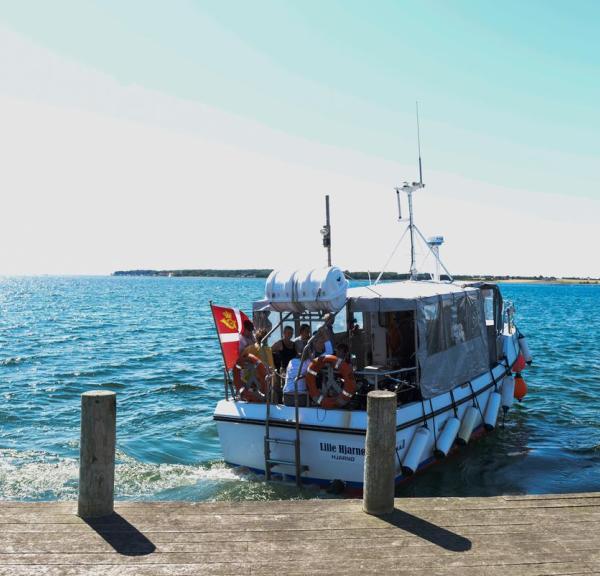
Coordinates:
[38,476]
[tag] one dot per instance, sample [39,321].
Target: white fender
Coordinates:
[469,421]
[446,438]
[524,347]
[415,451]
[491,411]
[508,392]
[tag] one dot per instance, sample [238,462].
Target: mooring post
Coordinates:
[97,453]
[380,449]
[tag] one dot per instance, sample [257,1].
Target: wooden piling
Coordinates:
[380,469]
[97,454]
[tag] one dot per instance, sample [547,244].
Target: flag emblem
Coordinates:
[229,320]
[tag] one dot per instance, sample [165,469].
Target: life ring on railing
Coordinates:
[242,387]
[344,369]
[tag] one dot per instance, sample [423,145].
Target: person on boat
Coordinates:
[354,326]
[246,336]
[246,341]
[357,342]
[260,349]
[303,337]
[284,350]
[323,341]
[297,365]
[322,344]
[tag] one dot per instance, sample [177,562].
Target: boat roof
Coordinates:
[402,295]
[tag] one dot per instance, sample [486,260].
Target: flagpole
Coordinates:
[225,371]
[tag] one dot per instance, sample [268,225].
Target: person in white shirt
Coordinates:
[293,368]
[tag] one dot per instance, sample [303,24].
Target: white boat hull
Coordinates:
[332,442]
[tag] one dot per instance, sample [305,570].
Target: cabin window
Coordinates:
[356,320]
[439,323]
[359,340]
[488,306]
[434,328]
[451,322]
[340,323]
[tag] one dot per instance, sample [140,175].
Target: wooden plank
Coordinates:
[66,544]
[327,519]
[385,567]
[61,542]
[337,505]
[261,525]
[227,569]
[426,558]
[136,570]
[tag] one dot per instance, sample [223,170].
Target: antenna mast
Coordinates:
[413,260]
[419,144]
[326,231]
[434,243]
[409,189]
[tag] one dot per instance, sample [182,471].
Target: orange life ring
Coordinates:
[344,369]
[242,387]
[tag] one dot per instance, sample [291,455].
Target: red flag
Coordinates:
[229,323]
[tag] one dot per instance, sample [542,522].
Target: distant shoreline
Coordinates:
[264,272]
[548,280]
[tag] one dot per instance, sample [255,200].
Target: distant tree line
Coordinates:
[245,273]
[360,275]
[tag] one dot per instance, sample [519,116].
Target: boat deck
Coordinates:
[516,535]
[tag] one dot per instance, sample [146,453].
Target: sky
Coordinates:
[192,134]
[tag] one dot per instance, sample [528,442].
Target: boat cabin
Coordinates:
[418,338]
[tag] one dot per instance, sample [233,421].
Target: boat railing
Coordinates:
[378,374]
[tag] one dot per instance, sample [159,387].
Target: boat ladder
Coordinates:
[270,440]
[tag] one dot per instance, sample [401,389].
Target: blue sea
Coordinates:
[152,341]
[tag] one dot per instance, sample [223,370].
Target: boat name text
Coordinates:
[347,453]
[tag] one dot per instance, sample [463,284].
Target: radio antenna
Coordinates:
[432,244]
[326,231]
[419,144]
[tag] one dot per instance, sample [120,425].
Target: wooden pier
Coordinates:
[506,535]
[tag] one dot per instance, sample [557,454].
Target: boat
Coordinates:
[450,350]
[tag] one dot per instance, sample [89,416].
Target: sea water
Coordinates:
[152,341]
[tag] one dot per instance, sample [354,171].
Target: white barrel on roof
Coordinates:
[315,290]
[279,291]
